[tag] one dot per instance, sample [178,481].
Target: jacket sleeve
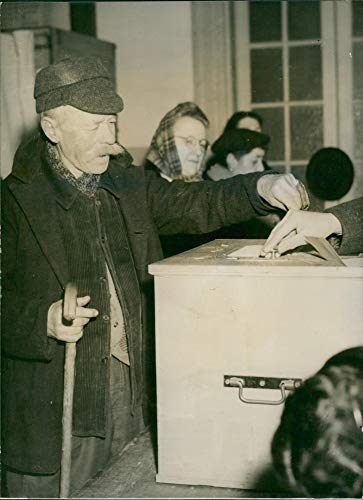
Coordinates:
[24,315]
[201,207]
[350,215]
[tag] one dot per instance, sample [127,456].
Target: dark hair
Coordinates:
[318,448]
[221,159]
[233,121]
[239,142]
[329,174]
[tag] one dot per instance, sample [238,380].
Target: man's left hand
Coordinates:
[283,191]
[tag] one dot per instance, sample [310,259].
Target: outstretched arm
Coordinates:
[180,207]
[344,220]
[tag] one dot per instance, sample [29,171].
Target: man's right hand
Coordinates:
[283,191]
[58,330]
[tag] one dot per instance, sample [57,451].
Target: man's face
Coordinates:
[250,123]
[84,140]
[190,141]
[248,163]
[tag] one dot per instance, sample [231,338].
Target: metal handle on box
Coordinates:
[262,383]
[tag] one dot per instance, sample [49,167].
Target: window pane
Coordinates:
[358,70]
[305,73]
[265,21]
[358,130]
[273,125]
[357,17]
[279,168]
[304,20]
[306,131]
[315,204]
[266,75]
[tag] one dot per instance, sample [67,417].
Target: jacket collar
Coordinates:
[65,193]
[36,198]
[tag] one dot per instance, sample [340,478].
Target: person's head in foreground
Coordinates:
[318,448]
[179,144]
[239,151]
[78,106]
[244,119]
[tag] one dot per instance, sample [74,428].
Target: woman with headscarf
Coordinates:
[179,144]
[177,152]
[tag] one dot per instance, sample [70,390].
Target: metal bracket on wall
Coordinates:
[247,382]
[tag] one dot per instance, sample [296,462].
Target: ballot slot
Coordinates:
[320,253]
[243,382]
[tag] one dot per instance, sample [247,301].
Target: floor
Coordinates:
[132,475]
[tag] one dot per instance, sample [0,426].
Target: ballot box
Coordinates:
[235,334]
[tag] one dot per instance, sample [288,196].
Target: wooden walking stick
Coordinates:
[69,313]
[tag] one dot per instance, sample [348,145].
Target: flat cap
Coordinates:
[81,82]
[241,139]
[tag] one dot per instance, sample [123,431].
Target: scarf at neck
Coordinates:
[86,183]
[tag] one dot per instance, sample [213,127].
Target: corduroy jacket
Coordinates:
[35,273]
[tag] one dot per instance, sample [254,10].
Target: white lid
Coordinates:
[238,257]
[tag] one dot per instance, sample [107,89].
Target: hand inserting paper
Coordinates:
[283,191]
[295,226]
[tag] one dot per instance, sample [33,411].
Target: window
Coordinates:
[300,65]
[357,57]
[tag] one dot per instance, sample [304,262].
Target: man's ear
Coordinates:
[50,128]
[231,161]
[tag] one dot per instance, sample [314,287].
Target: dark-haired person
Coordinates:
[76,209]
[318,447]
[235,152]
[244,119]
[238,151]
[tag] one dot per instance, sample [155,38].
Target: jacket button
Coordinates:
[105,317]
[98,203]
[104,360]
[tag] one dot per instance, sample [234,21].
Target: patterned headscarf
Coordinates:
[162,151]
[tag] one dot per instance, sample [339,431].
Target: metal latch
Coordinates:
[247,382]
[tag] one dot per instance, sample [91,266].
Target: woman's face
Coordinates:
[248,163]
[191,145]
[250,123]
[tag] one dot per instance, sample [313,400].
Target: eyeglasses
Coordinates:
[192,142]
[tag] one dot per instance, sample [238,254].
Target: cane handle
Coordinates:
[70,302]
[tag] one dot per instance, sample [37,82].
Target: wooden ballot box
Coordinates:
[234,335]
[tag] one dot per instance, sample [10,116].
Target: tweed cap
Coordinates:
[241,139]
[81,82]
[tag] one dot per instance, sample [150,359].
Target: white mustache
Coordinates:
[114,149]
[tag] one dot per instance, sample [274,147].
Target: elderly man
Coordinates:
[75,208]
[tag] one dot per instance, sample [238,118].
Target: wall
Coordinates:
[18,62]
[20,15]
[153,60]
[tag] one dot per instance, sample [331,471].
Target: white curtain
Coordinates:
[18,116]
